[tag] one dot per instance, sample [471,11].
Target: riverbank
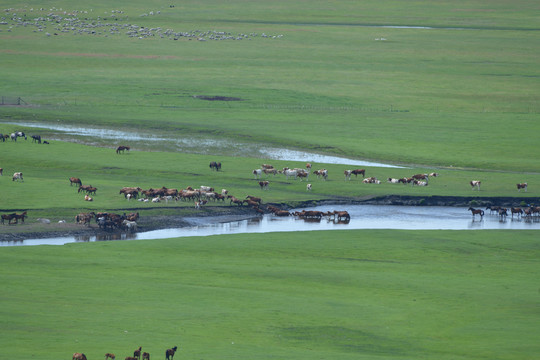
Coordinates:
[182,217]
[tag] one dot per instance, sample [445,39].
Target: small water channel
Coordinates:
[206,146]
[362,217]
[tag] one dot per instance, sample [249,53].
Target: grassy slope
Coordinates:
[437,97]
[344,294]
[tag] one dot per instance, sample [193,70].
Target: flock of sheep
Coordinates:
[57,21]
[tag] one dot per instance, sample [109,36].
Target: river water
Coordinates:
[362,217]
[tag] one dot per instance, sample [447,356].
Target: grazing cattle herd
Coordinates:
[205,194]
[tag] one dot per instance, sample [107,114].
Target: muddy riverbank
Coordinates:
[32,229]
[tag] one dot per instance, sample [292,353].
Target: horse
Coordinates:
[145,356]
[79,356]
[137,353]
[517,211]
[170,353]
[122,148]
[110,356]
[2,138]
[476,212]
[36,138]
[502,213]
[215,165]
[74,180]
[8,217]
[20,216]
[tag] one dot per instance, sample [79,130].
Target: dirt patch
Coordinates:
[217,98]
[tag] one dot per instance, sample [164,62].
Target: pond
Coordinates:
[362,217]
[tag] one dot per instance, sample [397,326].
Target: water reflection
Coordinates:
[362,217]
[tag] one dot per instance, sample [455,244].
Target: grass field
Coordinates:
[437,86]
[325,295]
[461,94]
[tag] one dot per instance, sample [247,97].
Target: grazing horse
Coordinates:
[475,183]
[8,217]
[170,353]
[145,356]
[79,356]
[215,165]
[137,353]
[121,149]
[522,186]
[74,180]
[36,138]
[110,356]
[476,212]
[17,176]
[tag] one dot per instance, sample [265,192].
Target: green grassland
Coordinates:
[462,94]
[46,189]
[325,295]
[460,99]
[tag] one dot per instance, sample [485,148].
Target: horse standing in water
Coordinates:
[476,212]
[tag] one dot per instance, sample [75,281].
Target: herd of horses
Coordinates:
[137,354]
[527,212]
[17,134]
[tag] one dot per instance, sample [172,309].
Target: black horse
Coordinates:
[36,138]
[170,353]
[2,138]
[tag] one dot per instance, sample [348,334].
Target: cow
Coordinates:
[356,172]
[347,174]
[308,187]
[522,186]
[110,356]
[264,185]
[257,173]
[475,183]
[18,176]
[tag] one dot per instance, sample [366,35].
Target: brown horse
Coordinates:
[20,216]
[110,356]
[170,353]
[74,180]
[79,356]
[476,212]
[145,356]
[8,217]
[215,165]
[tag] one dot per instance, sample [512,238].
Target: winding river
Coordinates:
[362,217]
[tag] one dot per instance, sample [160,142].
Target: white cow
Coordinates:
[18,176]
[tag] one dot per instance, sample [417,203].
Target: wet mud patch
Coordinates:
[217,98]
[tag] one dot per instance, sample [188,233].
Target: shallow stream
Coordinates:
[362,217]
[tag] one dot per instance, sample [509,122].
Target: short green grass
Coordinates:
[459,95]
[325,295]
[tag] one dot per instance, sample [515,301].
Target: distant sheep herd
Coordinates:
[204,194]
